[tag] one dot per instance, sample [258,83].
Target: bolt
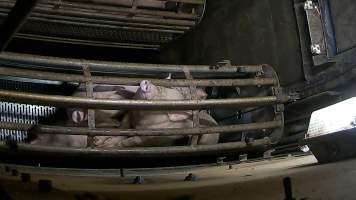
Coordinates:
[44,185]
[25,178]
[191,177]
[220,160]
[353,123]
[14,172]
[315,49]
[243,157]
[139,180]
[308,5]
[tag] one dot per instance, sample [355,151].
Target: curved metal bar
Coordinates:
[135,152]
[103,104]
[43,129]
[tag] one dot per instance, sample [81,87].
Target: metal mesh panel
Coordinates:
[92,33]
[23,113]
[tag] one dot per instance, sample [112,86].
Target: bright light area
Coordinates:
[335,118]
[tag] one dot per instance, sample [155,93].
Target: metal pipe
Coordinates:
[77,102]
[65,77]
[86,42]
[15,20]
[159,70]
[97,22]
[103,16]
[44,129]
[118,10]
[135,152]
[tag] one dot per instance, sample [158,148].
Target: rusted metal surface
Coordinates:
[44,129]
[66,77]
[15,20]
[77,102]
[139,151]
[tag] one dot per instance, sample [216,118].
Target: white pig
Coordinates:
[166,119]
[103,119]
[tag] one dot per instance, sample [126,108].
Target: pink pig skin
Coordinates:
[166,119]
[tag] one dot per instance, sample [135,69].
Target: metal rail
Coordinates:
[103,104]
[43,129]
[136,152]
[15,20]
[66,77]
[155,70]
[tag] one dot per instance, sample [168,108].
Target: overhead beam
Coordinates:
[15,20]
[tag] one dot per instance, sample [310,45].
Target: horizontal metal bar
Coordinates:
[129,3]
[65,77]
[43,129]
[77,102]
[135,152]
[117,10]
[197,71]
[87,42]
[104,16]
[95,22]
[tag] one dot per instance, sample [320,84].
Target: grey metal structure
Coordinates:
[146,24]
[249,78]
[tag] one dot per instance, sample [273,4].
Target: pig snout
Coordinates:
[146,90]
[79,116]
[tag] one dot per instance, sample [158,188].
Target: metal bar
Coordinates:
[44,129]
[160,70]
[115,2]
[66,77]
[154,132]
[104,104]
[136,152]
[15,20]
[152,20]
[193,94]
[91,112]
[97,22]
[118,10]
[87,42]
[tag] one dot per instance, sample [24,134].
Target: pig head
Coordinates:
[166,119]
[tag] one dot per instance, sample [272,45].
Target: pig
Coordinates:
[103,119]
[166,119]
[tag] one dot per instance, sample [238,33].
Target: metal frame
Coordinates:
[260,76]
[121,19]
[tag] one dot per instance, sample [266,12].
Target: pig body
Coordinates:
[103,119]
[166,119]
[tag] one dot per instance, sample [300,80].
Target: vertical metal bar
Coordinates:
[15,20]
[193,95]
[91,112]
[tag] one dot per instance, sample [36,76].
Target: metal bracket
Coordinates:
[316,32]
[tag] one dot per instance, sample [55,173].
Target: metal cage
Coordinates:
[260,77]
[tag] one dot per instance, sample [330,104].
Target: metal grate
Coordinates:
[21,113]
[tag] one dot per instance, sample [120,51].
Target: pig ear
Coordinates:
[201,94]
[179,116]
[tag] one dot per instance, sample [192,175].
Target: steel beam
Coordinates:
[15,20]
